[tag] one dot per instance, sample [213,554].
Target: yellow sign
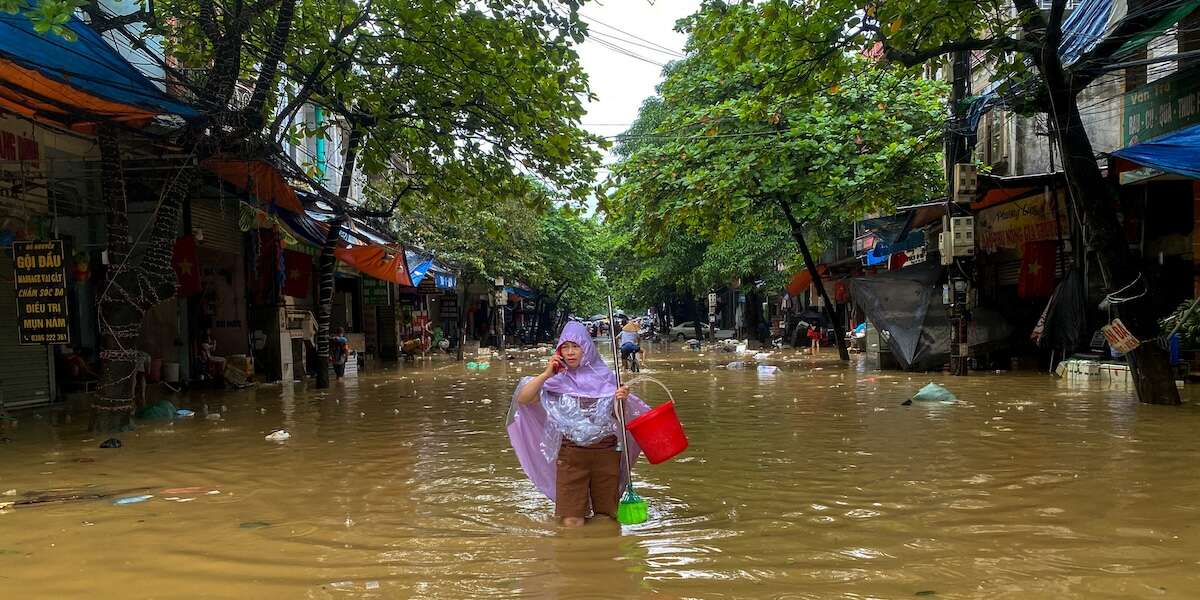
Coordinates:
[1012,224]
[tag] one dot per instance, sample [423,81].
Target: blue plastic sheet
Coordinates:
[1177,153]
[88,64]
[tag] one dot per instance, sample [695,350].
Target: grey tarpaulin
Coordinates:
[1066,317]
[907,304]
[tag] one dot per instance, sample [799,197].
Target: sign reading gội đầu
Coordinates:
[41,292]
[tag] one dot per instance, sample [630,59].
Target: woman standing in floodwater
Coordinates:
[564,429]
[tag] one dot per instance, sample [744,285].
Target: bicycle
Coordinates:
[630,361]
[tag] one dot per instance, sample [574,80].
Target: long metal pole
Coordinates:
[620,406]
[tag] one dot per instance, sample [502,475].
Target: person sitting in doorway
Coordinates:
[77,367]
[339,352]
[212,366]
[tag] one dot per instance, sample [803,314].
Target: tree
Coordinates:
[1023,43]
[466,98]
[136,281]
[468,101]
[731,150]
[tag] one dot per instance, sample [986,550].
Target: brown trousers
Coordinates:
[588,479]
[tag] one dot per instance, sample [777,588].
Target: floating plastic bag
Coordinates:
[934,393]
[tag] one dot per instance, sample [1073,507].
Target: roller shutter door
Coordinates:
[219,222]
[24,370]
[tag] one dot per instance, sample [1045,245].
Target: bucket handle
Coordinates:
[670,396]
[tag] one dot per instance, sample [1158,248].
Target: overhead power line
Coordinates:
[659,47]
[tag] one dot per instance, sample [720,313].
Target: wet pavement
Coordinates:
[810,482]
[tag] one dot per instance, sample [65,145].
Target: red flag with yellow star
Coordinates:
[187,268]
[297,274]
[1036,279]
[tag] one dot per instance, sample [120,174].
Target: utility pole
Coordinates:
[958,150]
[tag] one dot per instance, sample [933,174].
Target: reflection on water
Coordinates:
[811,482]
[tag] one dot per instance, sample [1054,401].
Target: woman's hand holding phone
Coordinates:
[556,365]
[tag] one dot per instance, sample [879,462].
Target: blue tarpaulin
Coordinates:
[110,86]
[523,293]
[1177,153]
[418,272]
[1089,24]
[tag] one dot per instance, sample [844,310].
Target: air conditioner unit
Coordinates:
[966,182]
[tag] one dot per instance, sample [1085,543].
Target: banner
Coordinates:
[1036,279]
[186,265]
[41,292]
[1011,224]
[297,266]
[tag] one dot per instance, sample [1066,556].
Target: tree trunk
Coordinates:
[130,288]
[1098,200]
[798,234]
[270,64]
[327,261]
[327,268]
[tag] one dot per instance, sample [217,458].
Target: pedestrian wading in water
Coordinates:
[563,428]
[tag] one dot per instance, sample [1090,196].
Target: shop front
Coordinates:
[27,365]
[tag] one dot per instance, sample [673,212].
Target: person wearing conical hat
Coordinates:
[630,341]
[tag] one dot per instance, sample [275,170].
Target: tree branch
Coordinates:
[916,57]
[208,21]
[270,64]
[102,22]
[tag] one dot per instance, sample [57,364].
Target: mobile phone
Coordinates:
[558,366]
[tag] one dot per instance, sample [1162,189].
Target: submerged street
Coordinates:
[810,482]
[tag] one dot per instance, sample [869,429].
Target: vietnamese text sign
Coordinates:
[41,292]
[375,292]
[1119,337]
[448,306]
[1011,224]
[1161,107]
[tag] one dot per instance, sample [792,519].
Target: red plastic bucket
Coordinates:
[659,433]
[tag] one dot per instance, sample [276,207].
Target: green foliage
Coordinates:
[1188,321]
[535,238]
[48,16]
[735,132]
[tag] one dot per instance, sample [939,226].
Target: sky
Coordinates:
[639,27]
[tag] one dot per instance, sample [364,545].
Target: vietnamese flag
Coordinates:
[187,267]
[1036,279]
[297,274]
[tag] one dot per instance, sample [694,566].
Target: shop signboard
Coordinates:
[41,292]
[1011,224]
[1119,337]
[375,292]
[1160,107]
[445,281]
[448,306]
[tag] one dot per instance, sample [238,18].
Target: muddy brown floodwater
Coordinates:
[812,482]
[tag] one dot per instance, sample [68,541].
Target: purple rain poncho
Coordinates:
[536,430]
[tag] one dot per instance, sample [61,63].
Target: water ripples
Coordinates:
[811,483]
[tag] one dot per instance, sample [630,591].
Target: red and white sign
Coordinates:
[1119,337]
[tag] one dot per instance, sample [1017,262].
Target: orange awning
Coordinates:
[30,94]
[377,261]
[257,178]
[1001,195]
[802,280]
